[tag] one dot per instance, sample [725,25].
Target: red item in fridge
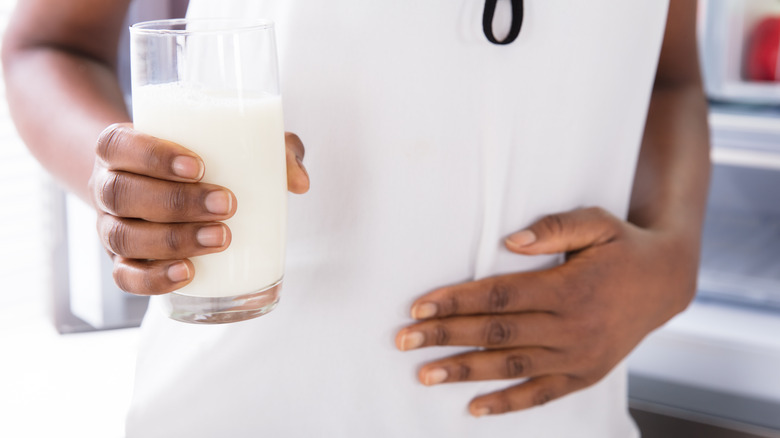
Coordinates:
[763,51]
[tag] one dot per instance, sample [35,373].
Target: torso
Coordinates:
[426,146]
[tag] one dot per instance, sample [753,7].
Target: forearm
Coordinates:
[59,59]
[670,188]
[61,102]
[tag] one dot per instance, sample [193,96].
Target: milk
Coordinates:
[241,142]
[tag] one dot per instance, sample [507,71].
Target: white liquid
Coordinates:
[241,142]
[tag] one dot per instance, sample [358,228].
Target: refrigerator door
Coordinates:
[717,362]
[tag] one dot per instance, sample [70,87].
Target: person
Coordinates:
[513,218]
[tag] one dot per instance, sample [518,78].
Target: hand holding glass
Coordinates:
[212,86]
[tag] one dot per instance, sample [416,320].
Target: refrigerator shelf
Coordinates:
[748,131]
[740,260]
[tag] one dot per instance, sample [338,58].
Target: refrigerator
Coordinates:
[719,361]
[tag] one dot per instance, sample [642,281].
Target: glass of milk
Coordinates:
[212,86]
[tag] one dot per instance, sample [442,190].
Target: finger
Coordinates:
[502,331]
[534,392]
[294,144]
[122,148]
[513,363]
[565,232]
[531,291]
[151,277]
[138,239]
[134,196]
[297,176]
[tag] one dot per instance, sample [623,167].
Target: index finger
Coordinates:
[539,291]
[122,148]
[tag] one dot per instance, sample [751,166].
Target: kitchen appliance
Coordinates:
[718,361]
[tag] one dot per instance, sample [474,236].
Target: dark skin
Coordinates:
[59,59]
[563,329]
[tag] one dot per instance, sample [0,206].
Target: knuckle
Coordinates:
[173,240]
[517,365]
[587,327]
[576,294]
[542,396]
[497,332]
[112,190]
[450,305]
[153,156]
[595,376]
[499,296]
[120,278]
[502,403]
[591,325]
[149,283]
[590,376]
[117,239]
[611,225]
[292,138]
[462,371]
[110,141]
[585,291]
[552,224]
[598,212]
[135,277]
[447,304]
[176,199]
[588,356]
[563,291]
[441,335]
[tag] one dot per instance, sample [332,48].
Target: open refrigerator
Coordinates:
[719,361]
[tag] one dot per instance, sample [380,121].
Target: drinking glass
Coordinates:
[213,87]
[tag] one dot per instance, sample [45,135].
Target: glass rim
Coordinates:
[221,26]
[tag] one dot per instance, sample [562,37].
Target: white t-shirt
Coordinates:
[426,146]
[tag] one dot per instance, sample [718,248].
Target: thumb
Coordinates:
[565,232]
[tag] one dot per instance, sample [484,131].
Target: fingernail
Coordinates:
[480,412]
[436,375]
[218,202]
[212,235]
[178,272]
[424,310]
[410,341]
[522,238]
[187,167]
